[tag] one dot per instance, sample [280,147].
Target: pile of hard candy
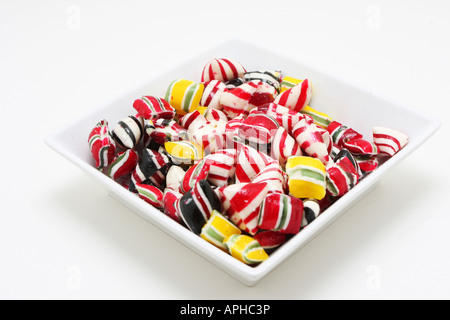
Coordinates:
[238,157]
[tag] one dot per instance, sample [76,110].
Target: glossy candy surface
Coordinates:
[306,177]
[150,107]
[245,249]
[184,95]
[101,145]
[217,229]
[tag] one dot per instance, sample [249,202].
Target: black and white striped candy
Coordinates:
[196,205]
[128,132]
[273,78]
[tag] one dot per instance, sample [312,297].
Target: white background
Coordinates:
[62,237]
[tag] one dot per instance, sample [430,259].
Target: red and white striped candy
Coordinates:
[273,175]
[283,146]
[389,141]
[211,94]
[194,174]
[222,69]
[284,116]
[258,128]
[249,162]
[347,161]
[102,145]
[163,130]
[310,139]
[270,240]
[297,97]
[281,212]
[367,163]
[235,101]
[264,94]
[326,138]
[123,164]
[339,182]
[340,134]
[150,194]
[211,136]
[215,115]
[150,107]
[192,121]
[221,166]
[361,147]
[170,198]
[241,203]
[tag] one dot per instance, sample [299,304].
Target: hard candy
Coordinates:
[270,240]
[170,204]
[221,166]
[249,162]
[311,210]
[101,145]
[215,115]
[163,130]
[281,212]
[245,249]
[361,147]
[235,101]
[184,95]
[271,77]
[289,82]
[184,152]
[241,203]
[196,205]
[273,175]
[284,116]
[338,181]
[340,133]
[211,94]
[128,132]
[211,136]
[195,173]
[284,146]
[151,169]
[310,139]
[297,97]
[367,163]
[217,229]
[222,69]
[150,194]
[306,177]
[258,128]
[234,83]
[389,141]
[123,164]
[150,107]
[192,121]
[174,178]
[321,119]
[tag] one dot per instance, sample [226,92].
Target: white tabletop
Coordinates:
[63,237]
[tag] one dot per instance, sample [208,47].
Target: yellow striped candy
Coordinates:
[306,177]
[245,249]
[184,95]
[289,82]
[217,229]
[321,119]
[184,151]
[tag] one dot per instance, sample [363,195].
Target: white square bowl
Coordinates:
[346,103]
